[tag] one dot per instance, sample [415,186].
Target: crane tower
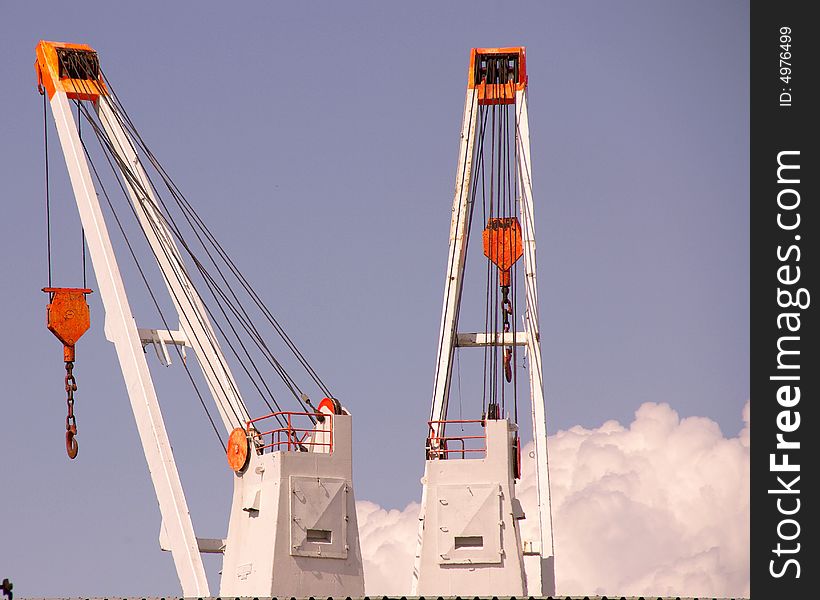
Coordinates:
[470,541]
[293,528]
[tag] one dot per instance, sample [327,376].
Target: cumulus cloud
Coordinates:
[388,540]
[660,507]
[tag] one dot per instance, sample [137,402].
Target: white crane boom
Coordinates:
[293,528]
[120,327]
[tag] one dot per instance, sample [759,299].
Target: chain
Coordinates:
[506,310]
[70,420]
[506,306]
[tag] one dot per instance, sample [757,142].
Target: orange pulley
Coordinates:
[238,450]
[68,318]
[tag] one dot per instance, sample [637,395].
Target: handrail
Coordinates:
[437,445]
[290,438]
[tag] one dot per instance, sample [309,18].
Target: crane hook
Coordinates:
[71,442]
[68,318]
[508,364]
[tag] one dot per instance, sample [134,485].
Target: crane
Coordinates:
[469,539]
[292,528]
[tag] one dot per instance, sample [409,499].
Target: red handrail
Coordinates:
[290,438]
[437,445]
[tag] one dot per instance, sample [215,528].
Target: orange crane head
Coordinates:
[70,68]
[497,74]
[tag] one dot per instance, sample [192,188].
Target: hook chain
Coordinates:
[70,420]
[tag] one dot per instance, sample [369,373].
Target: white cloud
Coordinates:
[388,540]
[659,508]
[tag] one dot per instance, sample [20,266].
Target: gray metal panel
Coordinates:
[469,510]
[318,504]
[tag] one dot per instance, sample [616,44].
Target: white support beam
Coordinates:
[479,340]
[193,318]
[122,331]
[211,545]
[459,228]
[539,419]
[205,545]
[174,338]
[160,339]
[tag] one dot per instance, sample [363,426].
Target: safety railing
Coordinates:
[470,442]
[296,432]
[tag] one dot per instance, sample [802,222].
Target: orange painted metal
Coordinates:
[498,93]
[47,67]
[502,245]
[238,449]
[330,404]
[68,317]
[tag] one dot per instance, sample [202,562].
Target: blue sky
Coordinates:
[319,140]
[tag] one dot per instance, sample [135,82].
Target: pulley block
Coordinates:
[503,245]
[68,317]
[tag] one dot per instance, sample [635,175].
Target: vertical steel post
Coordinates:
[539,420]
[459,228]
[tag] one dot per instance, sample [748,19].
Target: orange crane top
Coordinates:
[497,74]
[70,68]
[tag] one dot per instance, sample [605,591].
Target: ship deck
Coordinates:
[561,597]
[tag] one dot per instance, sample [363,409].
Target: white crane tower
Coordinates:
[293,528]
[469,539]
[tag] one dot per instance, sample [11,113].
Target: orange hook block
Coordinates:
[502,245]
[68,316]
